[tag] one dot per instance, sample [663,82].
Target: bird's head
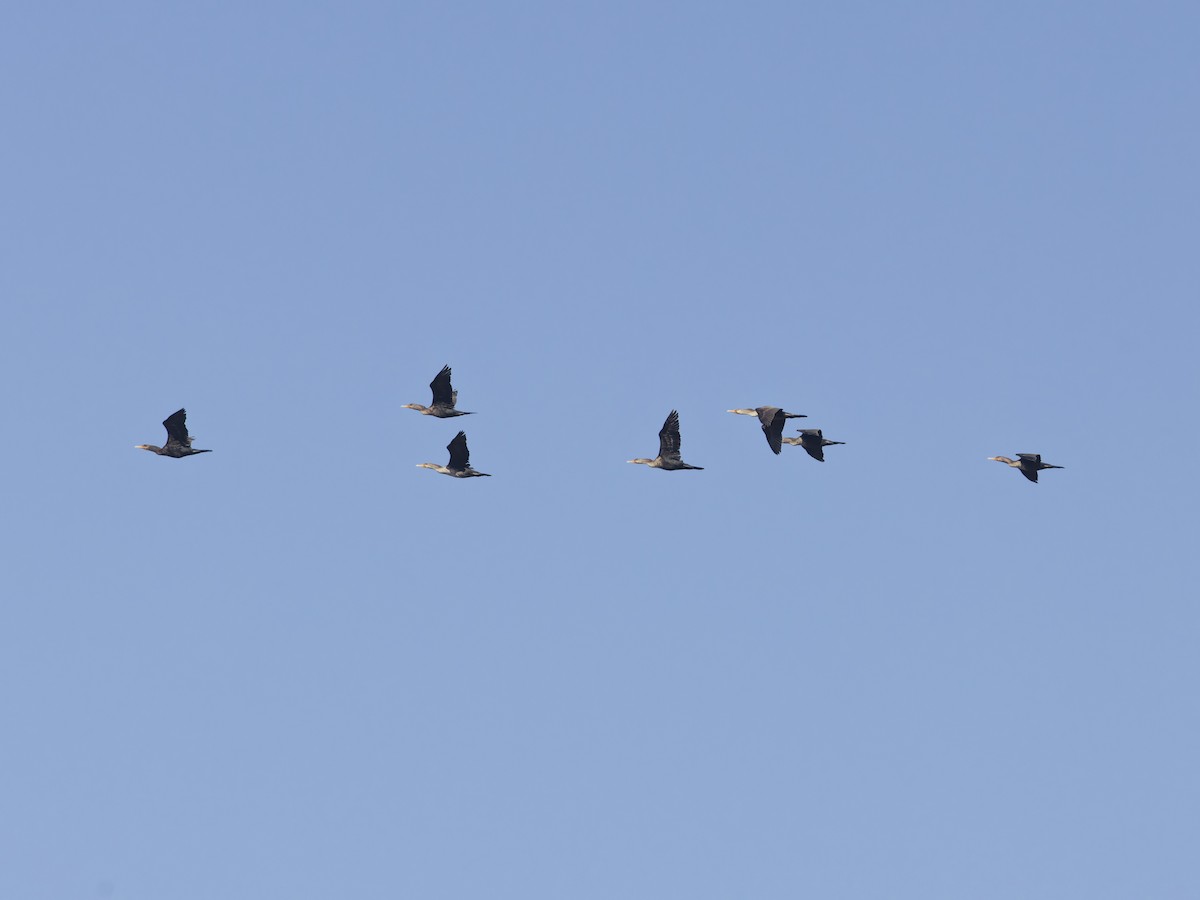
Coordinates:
[643,461]
[417,406]
[743,412]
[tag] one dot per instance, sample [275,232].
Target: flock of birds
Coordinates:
[445,400]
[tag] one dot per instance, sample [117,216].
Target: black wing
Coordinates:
[1029,473]
[814,444]
[460,457]
[443,394]
[668,438]
[1034,458]
[176,425]
[772,418]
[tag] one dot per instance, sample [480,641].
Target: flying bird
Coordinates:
[813,442]
[668,448]
[772,419]
[444,398]
[1028,464]
[460,460]
[179,443]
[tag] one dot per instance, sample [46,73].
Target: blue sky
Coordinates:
[301,667]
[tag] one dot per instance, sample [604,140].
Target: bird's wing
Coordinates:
[772,419]
[668,438]
[1035,458]
[460,457]
[176,425]
[1031,474]
[443,394]
[815,449]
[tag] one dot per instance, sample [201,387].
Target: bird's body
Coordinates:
[1028,464]
[772,419]
[179,443]
[668,448]
[460,460]
[813,442]
[444,398]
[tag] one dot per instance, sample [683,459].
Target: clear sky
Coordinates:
[300,667]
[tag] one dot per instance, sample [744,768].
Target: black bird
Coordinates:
[444,398]
[179,444]
[772,419]
[460,460]
[668,448]
[1028,464]
[813,442]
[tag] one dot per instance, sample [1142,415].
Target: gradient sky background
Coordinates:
[300,667]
